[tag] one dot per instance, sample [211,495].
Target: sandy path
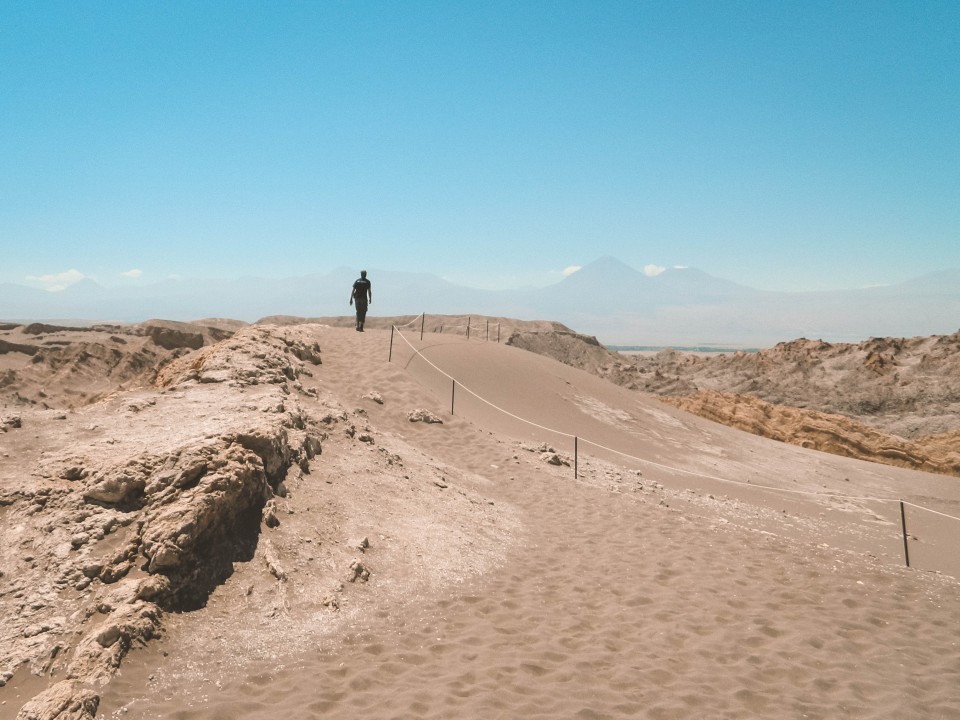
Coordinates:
[621,598]
[619,607]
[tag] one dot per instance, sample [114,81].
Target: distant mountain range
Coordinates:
[609,299]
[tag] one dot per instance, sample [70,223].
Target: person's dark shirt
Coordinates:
[361,290]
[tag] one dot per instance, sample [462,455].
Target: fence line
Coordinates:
[479,397]
[444,326]
[411,322]
[745,483]
[662,466]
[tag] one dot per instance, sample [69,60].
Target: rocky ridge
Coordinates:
[823,431]
[137,524]
[44,365]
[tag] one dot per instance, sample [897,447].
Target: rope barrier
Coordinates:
[442,318]
[745,483]
[479,397]
[438,325]
[662,466]
[409,323]
[930,510]
[463,325]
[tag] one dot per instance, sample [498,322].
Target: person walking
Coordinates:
[362,294]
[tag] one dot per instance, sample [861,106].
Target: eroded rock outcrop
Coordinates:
[70,367]
[827,432]
[172,339]
[145,507]
[424,416]
[67,700]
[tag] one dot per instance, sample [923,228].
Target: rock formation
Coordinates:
[823,431]
[890,400]
[114,528]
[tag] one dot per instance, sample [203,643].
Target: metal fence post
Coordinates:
[903,525]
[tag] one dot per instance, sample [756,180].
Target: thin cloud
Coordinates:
[653,270]
[134,273]
[55,282]
[571,270]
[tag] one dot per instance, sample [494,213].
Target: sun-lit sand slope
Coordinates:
[633,591]
[637,430]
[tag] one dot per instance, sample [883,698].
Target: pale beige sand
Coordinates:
[634,591]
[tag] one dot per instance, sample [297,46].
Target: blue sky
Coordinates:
[797,146]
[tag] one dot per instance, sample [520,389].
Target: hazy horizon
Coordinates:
[607,298]
[784,146]
[73,276]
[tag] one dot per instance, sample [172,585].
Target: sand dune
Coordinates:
[662,582]
[889,400]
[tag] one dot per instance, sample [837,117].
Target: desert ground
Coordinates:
[296,519]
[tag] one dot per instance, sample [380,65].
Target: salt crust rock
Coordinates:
[552,458]
[421,415]
[121,484]
[358,572]
[273,564]
[67,700]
